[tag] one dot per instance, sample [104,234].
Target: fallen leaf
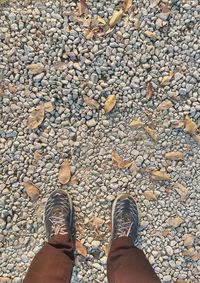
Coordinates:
[166,232]
[136,23]
[165,105]
[82,7]
[1,91]
[116,158]
[196,138]
[154,3]
[160,176]
[61,66]
[12,88]
[80,248]
[79,228]
[36,68]
[133,168]
[166,79]
[89,33]
[150,195]
[101,21]
[188,240]
[109,224]
[48,106]
[126,5]
[196,256]
[74,180]
[149,91]
[179,125]
[31,190]
[151,133]
[64,175]
[36,117]
[174,155]
[174,221]
[110,103]
[106,249]
[181,190]
[190,126]
[36,158]
[137,123]
[126,21]
[91,102]
[150,34]
[116,17]
[182,281]
[97,222]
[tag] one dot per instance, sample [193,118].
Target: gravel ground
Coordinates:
[137,55]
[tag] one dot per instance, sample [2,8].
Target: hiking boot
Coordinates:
[125,218]
[58,215]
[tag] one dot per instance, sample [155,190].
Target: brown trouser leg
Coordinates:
[128,264]
[53,263]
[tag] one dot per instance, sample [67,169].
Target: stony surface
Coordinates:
[123,63]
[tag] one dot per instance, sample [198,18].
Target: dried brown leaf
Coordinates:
[116,158]
[1,91]
[149,91]
[179,125]
[134,169]
[31,190]
[79,228]
[80,248]
[150,195]
[174,155]
[151,133]
[196,138]
[61,66]
[174,221]
[150,34]
[82,7]
[160,176]
[181,190]
[36,157]
[116,17]
[154,3]
[165,105]
[137,123]
[12,88]
[182,281]
[166,232]
[136,23]
[188,240]
[36,117]
[110,103]
[196,256]
[127,5]
[48,106]
[101,21]
[36,69]
[166,79]
[64,175]
[190,126]
[97,222]
[91,102]
[89,33]
[106,249]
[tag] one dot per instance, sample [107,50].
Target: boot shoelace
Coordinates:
[58,225]
[124,229]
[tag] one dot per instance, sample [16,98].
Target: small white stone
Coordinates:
[169,250]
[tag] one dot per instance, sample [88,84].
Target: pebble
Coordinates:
[169,250]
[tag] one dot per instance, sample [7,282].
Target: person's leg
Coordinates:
[54,262]
[126,263]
